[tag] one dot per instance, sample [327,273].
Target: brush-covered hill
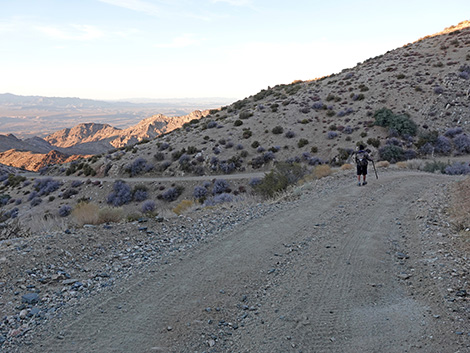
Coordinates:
[419,93]
[84,140]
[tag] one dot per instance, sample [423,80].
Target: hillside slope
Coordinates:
[317,121]
[84,140]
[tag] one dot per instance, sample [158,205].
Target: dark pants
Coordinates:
[362,170]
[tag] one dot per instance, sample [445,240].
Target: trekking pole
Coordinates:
[375,170]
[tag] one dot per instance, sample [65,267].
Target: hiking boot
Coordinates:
[364,183]
[358,184]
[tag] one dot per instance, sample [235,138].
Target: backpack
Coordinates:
[361,158]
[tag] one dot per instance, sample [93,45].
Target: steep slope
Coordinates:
[154,126]
[108,137]
[321,120]
[35,161]
[35,144]
[82,133]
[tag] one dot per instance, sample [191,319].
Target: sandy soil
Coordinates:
[341,269]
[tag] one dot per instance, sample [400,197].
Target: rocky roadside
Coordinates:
[47,276]
[44,276]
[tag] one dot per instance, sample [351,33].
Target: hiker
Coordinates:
[362,160]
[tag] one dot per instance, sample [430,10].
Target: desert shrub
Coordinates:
[318,105]
[452,132]
[438,90]
[110,214]
[120,195]
[76,183]
[4,199]
[457,168]
[46,186]
[394,141]
[15,180]
[88,170]
[140,165]
[290,134]
[211,124]
[159,156]
[322,171]
[67,194]
[402,124]
[148,206]
[65,210]
[435,166]
[391,153]
[220,186]
[254,181]
[227,167]
[172,194]
[184,161]
[218,199]
[183,206]
[426,149]
[36,201]
[255,144]
[245,114]
[192,150]
[283,175]
[277,130]
[373,142]
[164,146]
[86,213]
[13,213]
[268,156]
[443,145]
[164,165]
[409,154]
[274,107]
[11,228]
[332,134]
[302,143]
[462,143]
[238,122]
[314,161]
[200,193]
[348,130]
[140,193]
[247,134]
[32,195]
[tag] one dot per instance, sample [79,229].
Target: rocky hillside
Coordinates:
[419,93]
[83,140]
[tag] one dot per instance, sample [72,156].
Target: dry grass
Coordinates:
[183,206]
[45,224]
[347,166]
[402,165]
[110,214]
[383,164]
[322,171]
[86,213]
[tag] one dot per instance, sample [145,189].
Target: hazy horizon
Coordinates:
[154,49]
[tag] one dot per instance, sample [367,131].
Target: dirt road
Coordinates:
[329,272]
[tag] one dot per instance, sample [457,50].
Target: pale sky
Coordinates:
[115,49]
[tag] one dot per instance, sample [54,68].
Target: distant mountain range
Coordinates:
[84,140]
[28,116]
